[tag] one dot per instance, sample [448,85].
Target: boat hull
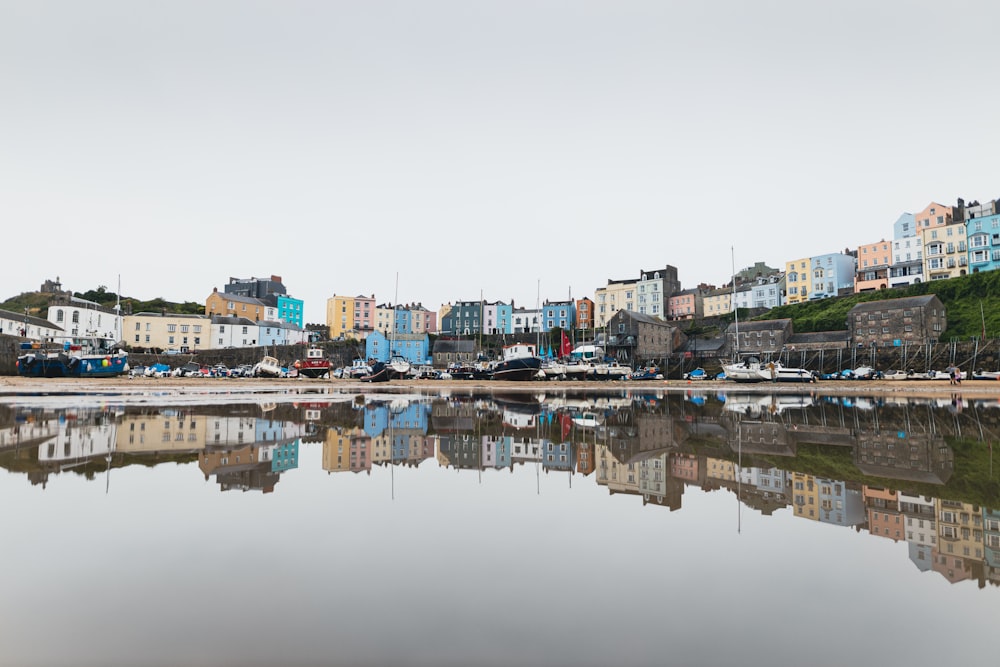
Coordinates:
[520,369]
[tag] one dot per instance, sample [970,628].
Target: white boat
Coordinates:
[269,367]
[749,369]
[399,367]
[609,370]
[776,372]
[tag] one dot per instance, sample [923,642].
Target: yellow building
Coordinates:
[174,431]
[797,280]
[717,302]
[168,331]
[340,316]
[337,449]
[960,529]
[235,305]
[805,496]
[946,254]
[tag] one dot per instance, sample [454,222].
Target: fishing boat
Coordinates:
[79,357]
[380,372]
[315,365]
[520,362]
[268,367]
[647,373]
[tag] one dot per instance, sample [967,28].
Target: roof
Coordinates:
[32,320]
[640,317]
[238,297]
[762,325]
[902,302]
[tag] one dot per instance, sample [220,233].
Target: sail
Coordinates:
[565,347]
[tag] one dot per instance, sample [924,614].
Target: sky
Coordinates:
[439,151]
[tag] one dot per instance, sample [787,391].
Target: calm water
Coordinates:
[627,529]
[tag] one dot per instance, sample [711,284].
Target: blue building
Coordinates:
[415,348]
[271,333]
[290,310]
[560,314]
[983,237]
[831,275]
[285,456]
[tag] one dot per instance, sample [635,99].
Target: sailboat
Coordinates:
[398,366]
[749,368]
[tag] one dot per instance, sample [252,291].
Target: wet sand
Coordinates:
[14,385]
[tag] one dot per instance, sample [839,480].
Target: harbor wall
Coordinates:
[968,355]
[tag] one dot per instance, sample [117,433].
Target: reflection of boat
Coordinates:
[315,365]
[520,362]
[756,405]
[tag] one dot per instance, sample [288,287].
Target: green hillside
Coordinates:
[37,303]
[969,301]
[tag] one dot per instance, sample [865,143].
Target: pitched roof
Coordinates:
[902,302]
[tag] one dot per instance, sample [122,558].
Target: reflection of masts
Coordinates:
[739,475]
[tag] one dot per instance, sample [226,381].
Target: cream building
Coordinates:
[946,254]
[616,295]
[168,331]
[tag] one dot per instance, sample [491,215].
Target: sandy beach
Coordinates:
[15,385]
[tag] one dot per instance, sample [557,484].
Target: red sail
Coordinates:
[565,347]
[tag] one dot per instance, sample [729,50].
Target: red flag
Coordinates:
[565,347]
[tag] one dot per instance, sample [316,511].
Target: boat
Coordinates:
[697,374]
[379,372]
[609,370]
[399,367]
[520,362]
[749,369]
[315,365]
[268,367]
[775,371]
[986,375]
[79,357]
[647,373]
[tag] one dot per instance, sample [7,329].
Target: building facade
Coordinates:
[893,322]
[874,260]
[168,332]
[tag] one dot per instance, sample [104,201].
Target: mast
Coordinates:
[736,310]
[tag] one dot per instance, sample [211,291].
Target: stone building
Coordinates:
[891,322]
[633,336]
[759,337]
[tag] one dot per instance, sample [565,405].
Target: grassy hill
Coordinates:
[969,301]
[37,303]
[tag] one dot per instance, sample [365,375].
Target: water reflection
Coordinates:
[911,470]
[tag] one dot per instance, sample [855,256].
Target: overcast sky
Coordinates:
[509,149]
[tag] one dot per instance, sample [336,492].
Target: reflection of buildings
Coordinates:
[884,517]
[920,522]
[242,468]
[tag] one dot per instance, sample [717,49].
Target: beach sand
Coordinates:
[15,385]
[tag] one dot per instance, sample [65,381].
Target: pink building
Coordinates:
[873,266]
